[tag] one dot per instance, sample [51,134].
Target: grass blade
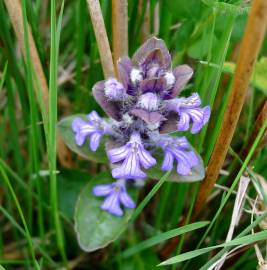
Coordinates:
[247,240]
[149,196]
[163,237]
[3,76]
[52,116]
[16,201]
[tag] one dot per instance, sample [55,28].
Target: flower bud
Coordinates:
[136,76]
[149,101]
[153,71]
[113,89]
[170,79]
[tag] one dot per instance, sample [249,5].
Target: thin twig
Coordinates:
[101,37]
[251,44]
[119,29]
[15,12]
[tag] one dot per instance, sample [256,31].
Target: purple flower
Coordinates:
[149,101]
[116,195]
[133,155]
[144,106]
[189,111]
[177,149]
[136,76]
[113,89]
[93,129]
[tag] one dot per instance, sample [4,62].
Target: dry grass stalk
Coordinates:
[43,16]
[156,19]
[101,38]
[119,29]
[15,12]
[251,44]
[237,211]
[145,29]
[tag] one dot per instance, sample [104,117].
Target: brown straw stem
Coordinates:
[250,47]
[143,10]
[101,38]
[119,29]
[15,12]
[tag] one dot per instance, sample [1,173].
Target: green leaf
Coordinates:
[183,34]
[181,9]
[146,261]
[238,26]
[70,184]
[163,237]
[96,228]
[65,130]
[199,49]
[258,78]
[226,8]
[197,172]
[245,240]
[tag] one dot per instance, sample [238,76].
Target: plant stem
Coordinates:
[119,29]
[101,38]
[52,115]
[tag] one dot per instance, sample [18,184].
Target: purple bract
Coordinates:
[144,108]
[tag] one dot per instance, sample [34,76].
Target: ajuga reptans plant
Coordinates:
[143,108]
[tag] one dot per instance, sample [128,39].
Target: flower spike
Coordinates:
[143,106]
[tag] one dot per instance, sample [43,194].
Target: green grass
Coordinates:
[36,232]
[52,121]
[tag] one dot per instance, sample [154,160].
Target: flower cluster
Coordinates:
[143,108]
